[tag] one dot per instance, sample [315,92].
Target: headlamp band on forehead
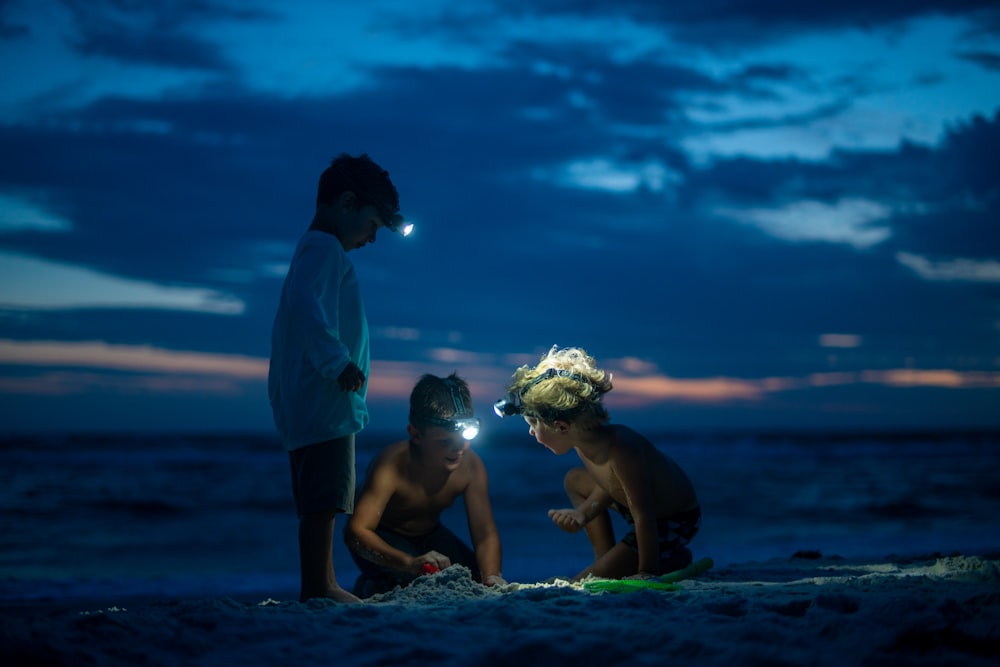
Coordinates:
[511,403]
[462,419]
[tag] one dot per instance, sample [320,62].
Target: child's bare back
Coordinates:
[627,449]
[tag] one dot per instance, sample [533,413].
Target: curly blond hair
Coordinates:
[565,384]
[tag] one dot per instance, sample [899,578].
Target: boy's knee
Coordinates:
[576,479]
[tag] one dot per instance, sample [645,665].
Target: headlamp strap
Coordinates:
[551,373]
[456,399]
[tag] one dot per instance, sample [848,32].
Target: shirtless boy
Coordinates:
[560,399]
[396,532]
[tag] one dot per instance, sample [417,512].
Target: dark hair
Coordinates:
[431,397]
[361,175]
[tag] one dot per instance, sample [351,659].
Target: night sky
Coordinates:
[758,215]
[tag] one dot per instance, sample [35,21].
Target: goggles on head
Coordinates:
[461,421]
[511,403]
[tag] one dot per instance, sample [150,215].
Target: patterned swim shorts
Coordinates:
[673,532]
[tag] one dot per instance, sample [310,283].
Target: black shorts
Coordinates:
[323,476]
[375,578]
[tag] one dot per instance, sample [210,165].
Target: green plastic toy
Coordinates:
[666,582]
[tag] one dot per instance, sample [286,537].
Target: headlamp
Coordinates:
[461,421]
[467,426]
[511,403]
[398,223]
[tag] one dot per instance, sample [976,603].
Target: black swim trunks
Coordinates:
[375,578]
[673,532]
[323,476]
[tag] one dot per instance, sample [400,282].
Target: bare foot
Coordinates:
[569,520]
[336,594]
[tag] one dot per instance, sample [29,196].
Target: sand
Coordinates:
[803,610]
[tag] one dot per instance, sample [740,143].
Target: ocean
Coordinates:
[158,516]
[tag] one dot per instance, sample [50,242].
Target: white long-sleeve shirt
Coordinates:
[320,326]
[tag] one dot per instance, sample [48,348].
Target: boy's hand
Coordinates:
[569,520]
[351,379]
[438,560]
[495,580]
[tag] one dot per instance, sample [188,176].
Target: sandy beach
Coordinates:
[105,563]
[804,610]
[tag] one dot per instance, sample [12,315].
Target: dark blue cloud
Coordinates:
[11,30]
[154,32]
[228,171]
[987,59]
[726,23]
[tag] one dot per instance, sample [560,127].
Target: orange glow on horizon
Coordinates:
[636,382]
[906,377]
[651,389]
[98,354]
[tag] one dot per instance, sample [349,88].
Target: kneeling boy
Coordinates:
[560,399]
[396,534]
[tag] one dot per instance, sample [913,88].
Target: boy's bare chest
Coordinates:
[416,500]
[606,478]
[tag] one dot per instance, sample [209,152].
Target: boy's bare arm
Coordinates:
[360,535]
[573,519]
[633,474]
[482,527]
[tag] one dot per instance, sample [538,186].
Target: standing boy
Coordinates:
[396,534]
[560,399]
[317,380]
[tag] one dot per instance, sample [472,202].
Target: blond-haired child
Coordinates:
[560,398]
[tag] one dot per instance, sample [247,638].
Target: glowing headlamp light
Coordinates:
[467,426]
[398,223]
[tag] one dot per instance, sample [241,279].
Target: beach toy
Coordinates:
[693,570]
[666,582]
[627,585]
[429,569]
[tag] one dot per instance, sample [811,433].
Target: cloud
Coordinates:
[136,358]
[11,28]
[450,355]
[729,23]
[396,333]
[638,391]
[611,176]
[59,286]
[75,383]
[161,34]
[848,221]
[544,154]
[18,214]
[133,369]
[987,59]
[952,379]
[845,341]
[953,270]
[644,391]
